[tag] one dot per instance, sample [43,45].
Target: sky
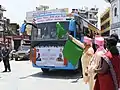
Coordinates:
[16,9]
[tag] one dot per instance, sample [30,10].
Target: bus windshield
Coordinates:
[47,31]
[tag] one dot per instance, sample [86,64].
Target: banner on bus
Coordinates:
[49,56]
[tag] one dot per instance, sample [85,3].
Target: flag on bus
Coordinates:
[60,30]
[72,52]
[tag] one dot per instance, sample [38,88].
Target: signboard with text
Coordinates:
[48,15]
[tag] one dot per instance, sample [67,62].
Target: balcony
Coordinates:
[83,11]
[94,10]
[105,30]
[93,19]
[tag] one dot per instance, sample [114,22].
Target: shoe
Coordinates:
[81,76]
[9,71]
[4,71]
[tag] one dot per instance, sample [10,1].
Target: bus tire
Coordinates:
[79,70]
[16,59]
[45,70]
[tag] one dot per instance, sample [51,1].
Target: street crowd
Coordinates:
[4,56]
[100,62]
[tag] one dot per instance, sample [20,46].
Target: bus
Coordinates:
[46,48]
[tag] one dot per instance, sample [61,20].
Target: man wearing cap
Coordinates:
[86,57]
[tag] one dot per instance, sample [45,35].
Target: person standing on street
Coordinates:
[86,57]
[5,53]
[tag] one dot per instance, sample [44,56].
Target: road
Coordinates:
[25,77]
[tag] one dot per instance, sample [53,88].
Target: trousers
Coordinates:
[6,64]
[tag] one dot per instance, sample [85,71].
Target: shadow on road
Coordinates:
[58,74]
[22,60]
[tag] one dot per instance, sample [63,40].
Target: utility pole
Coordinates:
[4,29]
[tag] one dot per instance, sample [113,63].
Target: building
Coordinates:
[115,16]
[2,9]
[8,31]
[13,28]
[4,30]
[90,15]
[105,22]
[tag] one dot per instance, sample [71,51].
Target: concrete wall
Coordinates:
[115,22]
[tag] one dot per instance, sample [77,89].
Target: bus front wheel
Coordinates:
[45,70]
[79,69]
[16,59]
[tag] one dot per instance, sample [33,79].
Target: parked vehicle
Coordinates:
[22,53]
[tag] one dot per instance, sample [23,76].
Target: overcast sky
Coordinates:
[16,9]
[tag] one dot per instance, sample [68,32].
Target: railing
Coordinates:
[108,19]
[105,30]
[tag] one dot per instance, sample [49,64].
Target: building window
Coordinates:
[1,16]
[90,16]
[115,11]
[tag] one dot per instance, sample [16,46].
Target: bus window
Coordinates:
[34,33]
[47,31]
[39,33]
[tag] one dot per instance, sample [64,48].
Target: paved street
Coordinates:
[25,77]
